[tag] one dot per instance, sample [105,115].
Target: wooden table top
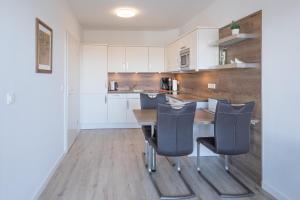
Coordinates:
[148,117]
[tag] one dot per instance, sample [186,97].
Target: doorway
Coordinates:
[72,91]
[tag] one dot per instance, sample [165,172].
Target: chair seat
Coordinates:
[153,143]
[209,142]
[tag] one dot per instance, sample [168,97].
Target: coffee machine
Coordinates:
[166,83]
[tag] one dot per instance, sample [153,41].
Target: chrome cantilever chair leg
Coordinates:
[191,193]
[248,192]
[145,153]
[149,159]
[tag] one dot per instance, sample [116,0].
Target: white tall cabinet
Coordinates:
[93,86]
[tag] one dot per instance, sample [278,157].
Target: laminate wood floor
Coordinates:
[107,165]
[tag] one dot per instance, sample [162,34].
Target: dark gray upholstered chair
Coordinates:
[174,138]
[231,137]
[150,102]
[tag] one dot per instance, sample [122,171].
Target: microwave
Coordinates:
[185,58]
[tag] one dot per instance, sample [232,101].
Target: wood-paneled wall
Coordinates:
[238,86]
[145,81]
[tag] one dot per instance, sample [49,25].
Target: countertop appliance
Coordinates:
[113,86]
[174,85]
[164,83]
[184,58]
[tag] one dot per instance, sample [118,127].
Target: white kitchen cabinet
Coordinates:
[173,57]
[208,55]
[190,41]
[93,86]
[120,110]
[202,54]
[116,59]
[156,59]
[93,110]
[136,59]
[132,104]
[117,110]
[93,70]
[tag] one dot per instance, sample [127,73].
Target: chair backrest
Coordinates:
[232,128]
[175,129]
[148,102]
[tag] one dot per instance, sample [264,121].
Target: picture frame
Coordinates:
[44,47]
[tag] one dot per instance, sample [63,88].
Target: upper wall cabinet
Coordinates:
[208,55]
[202,54]
[116,59]
[156,59]
[173,59]
[136,59]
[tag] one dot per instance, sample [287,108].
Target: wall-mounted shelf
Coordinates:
[221,67]
[233,39]
[236,66]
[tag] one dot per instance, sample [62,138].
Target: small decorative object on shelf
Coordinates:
[236,61]
[223,56]
[235,28]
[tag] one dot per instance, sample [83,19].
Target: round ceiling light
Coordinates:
[126,12]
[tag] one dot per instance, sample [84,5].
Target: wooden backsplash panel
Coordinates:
[250,50]
[238,86]
[144,81]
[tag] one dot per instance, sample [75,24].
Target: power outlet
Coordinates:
[211,86]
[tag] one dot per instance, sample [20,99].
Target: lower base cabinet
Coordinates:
[132,104]
[120,110]
[117,110]
[93,110]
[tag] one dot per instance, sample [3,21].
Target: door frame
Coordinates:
[66,92]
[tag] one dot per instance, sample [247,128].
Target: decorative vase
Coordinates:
[235,31]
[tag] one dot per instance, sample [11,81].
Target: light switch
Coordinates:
[10,98]
[211,86]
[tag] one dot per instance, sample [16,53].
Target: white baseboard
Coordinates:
[108,125]
[48,178]
[274,191]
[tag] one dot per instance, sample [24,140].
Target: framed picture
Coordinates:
[44,47]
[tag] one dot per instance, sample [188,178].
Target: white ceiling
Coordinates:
[153,14]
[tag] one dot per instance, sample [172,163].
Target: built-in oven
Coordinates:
[185,58]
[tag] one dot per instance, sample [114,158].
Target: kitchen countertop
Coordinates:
[134,91]
[185,97]
[188,97]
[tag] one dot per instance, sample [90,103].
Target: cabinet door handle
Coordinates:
[105,99]
[127,105]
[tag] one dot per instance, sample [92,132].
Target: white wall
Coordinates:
[220,13]
[32,129]
[148,38]
[281,94]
